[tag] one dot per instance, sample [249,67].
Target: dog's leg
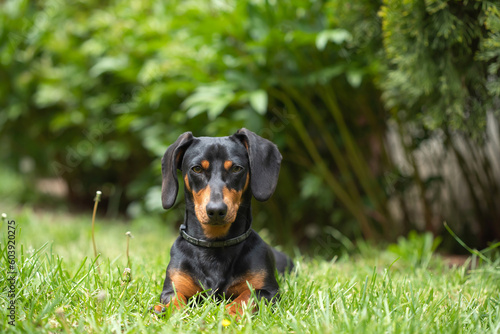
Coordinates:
[178,288]
[265,286]
[178,301]
[235,308]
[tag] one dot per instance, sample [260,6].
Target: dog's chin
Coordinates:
[216,222]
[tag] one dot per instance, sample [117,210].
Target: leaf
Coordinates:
[48,95]
[337,36]
[108,64]
[258,101]
[213,99]
[218,105]
[354,78]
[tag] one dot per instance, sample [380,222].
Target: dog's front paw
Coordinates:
[158,309]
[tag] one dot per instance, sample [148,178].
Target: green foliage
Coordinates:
[441,84]
[490,46]
[104,89]
[416,249]
[94,93]
[443,64]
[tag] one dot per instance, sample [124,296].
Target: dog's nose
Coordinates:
[216,210]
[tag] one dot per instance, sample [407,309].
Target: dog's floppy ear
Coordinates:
[171,161]
[265,161]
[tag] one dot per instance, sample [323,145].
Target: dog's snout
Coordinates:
[216,210]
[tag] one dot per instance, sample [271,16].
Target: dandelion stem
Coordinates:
[96,202]
[129,236]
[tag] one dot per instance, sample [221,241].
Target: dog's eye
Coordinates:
[197,169]
[236,169]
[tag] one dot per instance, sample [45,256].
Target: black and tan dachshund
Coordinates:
[217,250]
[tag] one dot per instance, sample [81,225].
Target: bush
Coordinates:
[95,92]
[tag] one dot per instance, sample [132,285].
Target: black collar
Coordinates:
[213,244]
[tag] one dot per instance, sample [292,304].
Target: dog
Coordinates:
[217,250]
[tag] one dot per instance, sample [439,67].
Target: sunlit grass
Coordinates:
[375,291]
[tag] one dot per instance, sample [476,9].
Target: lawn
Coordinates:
[400,289]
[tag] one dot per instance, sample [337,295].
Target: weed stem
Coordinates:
[96,202]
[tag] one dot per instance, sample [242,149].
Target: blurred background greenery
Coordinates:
[386,112]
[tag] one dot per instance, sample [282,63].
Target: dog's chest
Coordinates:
[219,276]
[217,279]
[222,286]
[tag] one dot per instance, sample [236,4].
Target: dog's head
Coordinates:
[217,172]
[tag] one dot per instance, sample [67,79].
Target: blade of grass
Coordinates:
[464,245]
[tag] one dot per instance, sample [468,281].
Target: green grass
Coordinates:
[400,290]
